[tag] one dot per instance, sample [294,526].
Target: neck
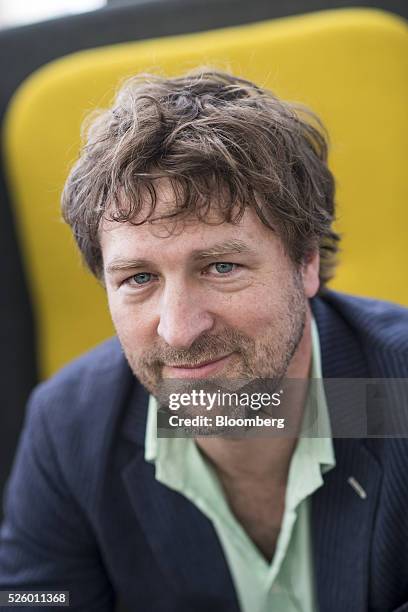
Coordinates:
[263,458]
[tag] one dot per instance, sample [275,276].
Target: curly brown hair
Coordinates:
[217,138]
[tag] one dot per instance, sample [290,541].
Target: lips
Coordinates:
[196,371]
[187,366]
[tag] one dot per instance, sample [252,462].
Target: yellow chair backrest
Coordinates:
[350,66]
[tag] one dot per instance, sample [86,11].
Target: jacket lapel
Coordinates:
[342,528]
[343,510]
[181,538]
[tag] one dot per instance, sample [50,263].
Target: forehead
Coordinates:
[180,234]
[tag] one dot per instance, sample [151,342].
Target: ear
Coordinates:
[310,274]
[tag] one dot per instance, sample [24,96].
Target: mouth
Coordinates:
[200,370]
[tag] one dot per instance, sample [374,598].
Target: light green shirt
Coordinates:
[287,583]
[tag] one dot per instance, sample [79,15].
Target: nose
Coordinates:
[183,316]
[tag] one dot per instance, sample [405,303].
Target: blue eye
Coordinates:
[224,267]
[142,278]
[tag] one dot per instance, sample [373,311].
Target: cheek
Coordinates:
[133,325]
[260,319]
[255,312]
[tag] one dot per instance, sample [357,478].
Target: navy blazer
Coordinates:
[84,513]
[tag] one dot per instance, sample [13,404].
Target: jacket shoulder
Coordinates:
[381,324]
[77,411]
[78,383]
[91,363]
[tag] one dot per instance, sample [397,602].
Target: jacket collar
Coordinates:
[343,520]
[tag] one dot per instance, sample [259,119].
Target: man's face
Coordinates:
[191,300]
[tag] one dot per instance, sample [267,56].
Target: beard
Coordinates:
[266,356]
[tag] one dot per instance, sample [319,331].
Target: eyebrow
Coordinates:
[222,248]
[121,264]
[227,247]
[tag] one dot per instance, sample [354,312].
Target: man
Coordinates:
[205,207]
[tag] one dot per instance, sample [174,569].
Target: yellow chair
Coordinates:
[350,66]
